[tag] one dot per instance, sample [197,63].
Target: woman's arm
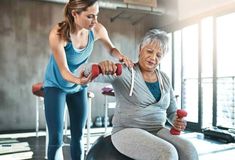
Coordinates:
[177,122]
[102,35]
[108,71]
[57,47]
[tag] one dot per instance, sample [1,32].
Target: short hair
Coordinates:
[156,35]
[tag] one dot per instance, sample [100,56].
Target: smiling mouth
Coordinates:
[150,63]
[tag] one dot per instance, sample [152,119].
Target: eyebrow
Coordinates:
[91,14]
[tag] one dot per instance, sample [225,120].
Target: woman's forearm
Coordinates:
[68,76]
[116,53]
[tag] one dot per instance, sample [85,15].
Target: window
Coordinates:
[225,70]
[177,64]
[190,71]
[166,64]
[207,71]
[203,59]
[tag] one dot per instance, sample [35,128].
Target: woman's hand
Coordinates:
[122,58]
[126,61]
[108,67]
[83,80]
[179,123]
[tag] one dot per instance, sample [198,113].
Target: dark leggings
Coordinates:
[54,110]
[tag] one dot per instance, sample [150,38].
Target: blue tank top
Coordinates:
[75,58]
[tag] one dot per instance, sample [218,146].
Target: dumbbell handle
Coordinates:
[95,70]
[181,114]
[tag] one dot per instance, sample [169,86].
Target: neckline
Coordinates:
[151,83]
[82,49]
[70,44]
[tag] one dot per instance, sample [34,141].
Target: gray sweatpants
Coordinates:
[142,145]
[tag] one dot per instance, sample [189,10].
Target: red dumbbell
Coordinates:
[180,113]
[95,70]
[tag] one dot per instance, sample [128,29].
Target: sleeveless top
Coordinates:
[75,58]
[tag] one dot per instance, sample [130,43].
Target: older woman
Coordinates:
[145,100]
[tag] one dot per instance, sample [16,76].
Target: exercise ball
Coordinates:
[103,149]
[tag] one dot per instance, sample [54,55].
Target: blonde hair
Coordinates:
[68,26]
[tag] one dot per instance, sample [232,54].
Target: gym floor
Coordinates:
[24,146]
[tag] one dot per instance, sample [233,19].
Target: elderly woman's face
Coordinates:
[150,56]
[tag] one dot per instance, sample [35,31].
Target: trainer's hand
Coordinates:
[126,61]
[108,67]
[83,80]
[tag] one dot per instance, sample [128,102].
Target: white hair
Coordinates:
[156,35]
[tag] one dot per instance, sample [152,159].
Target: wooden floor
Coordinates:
[23,146]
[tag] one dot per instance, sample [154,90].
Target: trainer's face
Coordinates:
[150,56]
[87,19]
